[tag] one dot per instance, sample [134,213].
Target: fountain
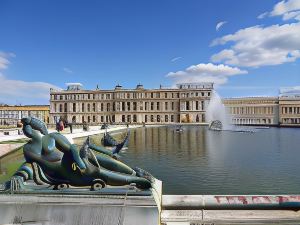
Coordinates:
[218,117]
[216,114]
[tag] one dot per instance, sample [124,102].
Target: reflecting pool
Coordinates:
[200,161]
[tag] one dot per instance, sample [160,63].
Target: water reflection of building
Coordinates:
[11,115]
[185,103]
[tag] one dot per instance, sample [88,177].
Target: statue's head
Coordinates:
[36,124]
[26,120]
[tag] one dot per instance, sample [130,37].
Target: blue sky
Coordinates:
[43,44]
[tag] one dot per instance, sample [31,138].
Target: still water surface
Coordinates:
[199,161]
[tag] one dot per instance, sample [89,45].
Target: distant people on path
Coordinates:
[71,127]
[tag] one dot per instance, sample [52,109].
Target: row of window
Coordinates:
[20,114]
[128,95]
[291,110]
[118,106]
[252,110]
[244,121]
[291,120]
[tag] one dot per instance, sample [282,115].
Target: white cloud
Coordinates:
[18,88]
[18,91]
[220,24]
[263,15]
[259,46]
[209,72]
[175,59]
[67,70]
[288,9]
[4,62]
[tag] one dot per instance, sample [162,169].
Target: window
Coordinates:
[166,105]
[123,118]
[66,107]
[61,97]
[128,106]
[158,118]
[187,105]
[172,105]
[101,107]
[152,118]
[166,118]
[146,118]
[152,94]
[82,119]
[82,107]
[172,118]
[108,107]
[74,107]
[134,106]
[129,118]
[123,106]
[197,105]
[94,107]
[94,119]
[166,95]
[60,108]
[157,106]
[152,105]
[146,106]
[134,118]
[102,119]
[89,107]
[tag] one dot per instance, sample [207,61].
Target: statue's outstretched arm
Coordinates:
[63,145]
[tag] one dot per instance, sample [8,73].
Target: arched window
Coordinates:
[94,119]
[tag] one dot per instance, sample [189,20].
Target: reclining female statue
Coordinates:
[57,162]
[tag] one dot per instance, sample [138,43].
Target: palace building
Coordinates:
[289,107]
[184,103]
[253,110]
[11,115]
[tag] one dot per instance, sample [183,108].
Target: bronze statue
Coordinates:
[52,159]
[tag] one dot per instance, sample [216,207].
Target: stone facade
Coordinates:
[186,103]
[289,110]
[11,115]
[253,110]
